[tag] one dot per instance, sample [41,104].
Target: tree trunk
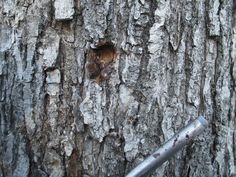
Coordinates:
[91,88]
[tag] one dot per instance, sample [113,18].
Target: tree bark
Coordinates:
[91,88]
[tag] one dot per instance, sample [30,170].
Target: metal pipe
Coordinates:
[168,149]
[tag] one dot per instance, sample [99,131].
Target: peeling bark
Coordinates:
[90,88]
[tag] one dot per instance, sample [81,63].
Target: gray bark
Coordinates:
[91,88]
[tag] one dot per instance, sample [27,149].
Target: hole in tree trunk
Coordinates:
[100,60]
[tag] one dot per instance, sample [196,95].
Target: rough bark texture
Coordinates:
[90,88]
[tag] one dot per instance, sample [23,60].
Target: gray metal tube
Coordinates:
[168,149]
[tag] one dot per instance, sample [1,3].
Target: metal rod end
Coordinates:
[203,121]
